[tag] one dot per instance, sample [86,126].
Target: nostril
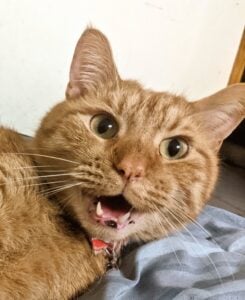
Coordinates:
[131,167]
[139,172]
[120,171]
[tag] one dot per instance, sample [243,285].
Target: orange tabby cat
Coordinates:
[112,163]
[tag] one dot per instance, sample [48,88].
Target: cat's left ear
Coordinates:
[221,113]
[92,65]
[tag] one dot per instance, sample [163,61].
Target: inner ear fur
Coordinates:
[220,113]
[92,65]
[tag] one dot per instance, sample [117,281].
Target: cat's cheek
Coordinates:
[113,183]
[137,197]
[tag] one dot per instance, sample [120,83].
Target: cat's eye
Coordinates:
[173,148]
[104,125]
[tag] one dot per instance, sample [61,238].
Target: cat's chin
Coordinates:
[113,212]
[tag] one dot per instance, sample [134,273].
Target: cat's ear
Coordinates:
[221,113]
[92,65]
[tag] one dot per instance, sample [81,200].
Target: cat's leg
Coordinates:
[17,186]
[40,258]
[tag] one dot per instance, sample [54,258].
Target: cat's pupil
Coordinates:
[105,125]
[174,147]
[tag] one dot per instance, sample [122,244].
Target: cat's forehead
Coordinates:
[141,108]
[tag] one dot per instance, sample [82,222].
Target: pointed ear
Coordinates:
[92,65]
[221,113]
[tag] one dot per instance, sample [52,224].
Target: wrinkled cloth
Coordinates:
[195,263]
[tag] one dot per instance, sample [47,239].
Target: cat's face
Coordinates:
[129,162]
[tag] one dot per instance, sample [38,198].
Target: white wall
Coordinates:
[185,46]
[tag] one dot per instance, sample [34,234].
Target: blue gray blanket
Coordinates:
[196,263]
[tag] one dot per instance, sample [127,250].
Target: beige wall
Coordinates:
[184,46]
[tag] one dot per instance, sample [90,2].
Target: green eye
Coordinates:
[105,126]
[173,148]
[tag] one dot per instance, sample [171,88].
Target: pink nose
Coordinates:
[132,167]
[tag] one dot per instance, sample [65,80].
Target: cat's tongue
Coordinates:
[113,211]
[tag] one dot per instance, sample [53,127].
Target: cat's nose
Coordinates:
[132,167]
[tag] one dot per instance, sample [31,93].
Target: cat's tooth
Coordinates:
[99,210]
[124,218]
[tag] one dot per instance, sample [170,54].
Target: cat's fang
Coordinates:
[124,218]
[99,210]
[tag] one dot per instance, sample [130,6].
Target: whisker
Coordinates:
[30,185]
[65,202]
[175,253]
[213,240]
[48,176]
[195,240]
[43,155]
[32,167]
[52,171]
[46,192]
[198,243]
[62,188]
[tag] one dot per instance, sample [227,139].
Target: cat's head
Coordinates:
[126,161]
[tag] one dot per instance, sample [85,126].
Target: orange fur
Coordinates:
[67,166]
[41,258]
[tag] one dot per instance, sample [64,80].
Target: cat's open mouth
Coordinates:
[112,211]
